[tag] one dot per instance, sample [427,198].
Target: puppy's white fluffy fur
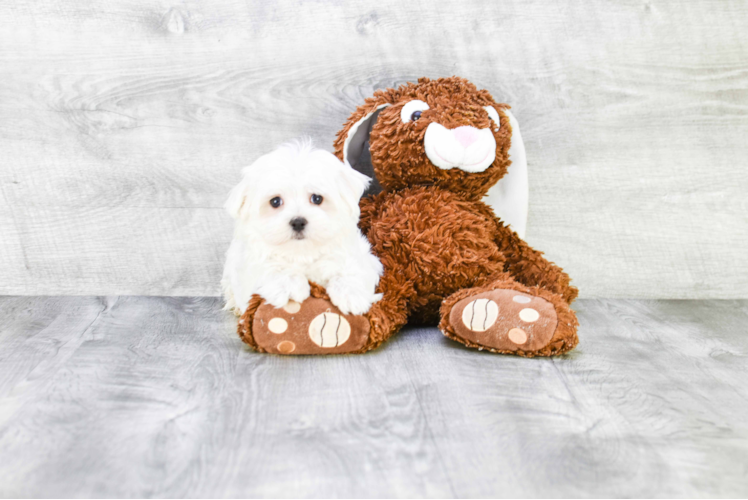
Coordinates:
[269,258]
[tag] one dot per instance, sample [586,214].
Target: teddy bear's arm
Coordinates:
[369,206]
[529,267]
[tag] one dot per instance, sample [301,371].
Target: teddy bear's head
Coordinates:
[445,133]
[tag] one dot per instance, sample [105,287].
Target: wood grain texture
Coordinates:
[124,124]
[157,397]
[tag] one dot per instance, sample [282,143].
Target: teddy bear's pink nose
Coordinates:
[465,135]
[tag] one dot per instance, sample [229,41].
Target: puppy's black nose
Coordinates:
[298,224]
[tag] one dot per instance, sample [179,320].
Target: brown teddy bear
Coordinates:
[436,148]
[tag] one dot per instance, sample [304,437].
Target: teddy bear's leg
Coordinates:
[390,313]
[316,326]
[508,317]
[531,268]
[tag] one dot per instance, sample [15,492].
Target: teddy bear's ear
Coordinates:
[509,197]
[356,132]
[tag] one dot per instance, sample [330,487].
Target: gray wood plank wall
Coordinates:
[123,124]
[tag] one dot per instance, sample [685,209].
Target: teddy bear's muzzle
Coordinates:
[468,148]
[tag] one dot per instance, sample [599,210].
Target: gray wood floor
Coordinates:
[144,396]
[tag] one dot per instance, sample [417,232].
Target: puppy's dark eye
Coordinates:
[276,202]
[415,116]
[317,199]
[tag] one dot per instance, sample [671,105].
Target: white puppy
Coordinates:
[297,213]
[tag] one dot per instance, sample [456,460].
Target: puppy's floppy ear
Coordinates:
[352,186]
[240,196]
[237,199]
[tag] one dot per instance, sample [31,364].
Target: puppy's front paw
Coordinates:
[300,289]
[284,288]
[350,298]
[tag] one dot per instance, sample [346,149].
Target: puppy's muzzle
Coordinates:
[298,224]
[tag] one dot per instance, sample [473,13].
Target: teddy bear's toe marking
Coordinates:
[286,347]
[329,330]
[529,315]
[278,325]
[292,307]
[521,299]
[480,315]
[517,335]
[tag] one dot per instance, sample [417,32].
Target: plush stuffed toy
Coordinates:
[437,147]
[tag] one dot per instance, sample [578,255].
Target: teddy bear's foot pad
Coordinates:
[504,320]
[315,326]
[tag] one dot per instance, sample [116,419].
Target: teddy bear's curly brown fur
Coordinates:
[447,258]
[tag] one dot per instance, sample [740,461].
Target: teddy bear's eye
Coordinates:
[276,202]
[493,115]
[412,111]
[316,199]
